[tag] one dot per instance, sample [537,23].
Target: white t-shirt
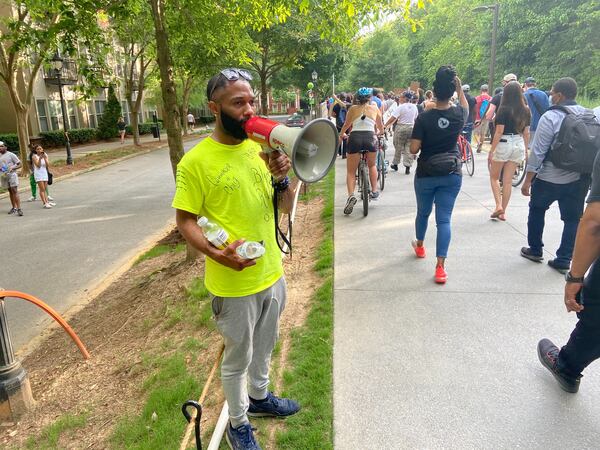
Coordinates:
[190,118]
[406,113]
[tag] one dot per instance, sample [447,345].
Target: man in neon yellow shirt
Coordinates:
[227,178]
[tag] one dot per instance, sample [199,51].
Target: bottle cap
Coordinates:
[202,221]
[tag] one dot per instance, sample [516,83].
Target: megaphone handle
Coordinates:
[278,233]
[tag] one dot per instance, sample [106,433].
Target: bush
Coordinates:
[82,135]
[205,119]
[56,138]
[107,128]
[11,140]
[143,128]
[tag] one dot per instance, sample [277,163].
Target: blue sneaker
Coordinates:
[241,438]
[273,407]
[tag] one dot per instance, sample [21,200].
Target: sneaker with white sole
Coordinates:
[241,438]
[350,204]
[51,203]
[50,199]
[48,206]
[12,211]
[31,199]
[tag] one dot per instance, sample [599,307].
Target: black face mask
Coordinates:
[233,127]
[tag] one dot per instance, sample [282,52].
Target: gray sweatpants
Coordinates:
[250,328]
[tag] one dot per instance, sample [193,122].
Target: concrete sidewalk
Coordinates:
[423,366]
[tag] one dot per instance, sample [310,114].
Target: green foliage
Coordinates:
[546,39]
[56,138]
[11,140]
[107,128]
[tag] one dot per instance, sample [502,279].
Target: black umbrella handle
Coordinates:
[188,417]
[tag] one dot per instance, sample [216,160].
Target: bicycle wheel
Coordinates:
[381,169]
[470,160]
[519,175]
[364,174]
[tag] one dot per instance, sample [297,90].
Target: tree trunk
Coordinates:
[23,133]
[264,95]
[135,130]
[167,84]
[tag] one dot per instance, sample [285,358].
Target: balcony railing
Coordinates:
[68,73]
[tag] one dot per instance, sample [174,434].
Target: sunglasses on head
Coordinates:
[231,74]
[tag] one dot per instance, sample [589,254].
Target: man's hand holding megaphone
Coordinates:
[278,163]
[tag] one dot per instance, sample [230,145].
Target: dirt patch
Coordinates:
[125,322]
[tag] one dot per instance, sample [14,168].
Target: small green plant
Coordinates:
[160,250]
[49,436]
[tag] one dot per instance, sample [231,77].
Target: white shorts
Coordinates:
[9,180]
[512,149]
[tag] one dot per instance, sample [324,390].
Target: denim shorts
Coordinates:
[512,149]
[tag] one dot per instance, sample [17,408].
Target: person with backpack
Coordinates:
[538,104]
[558,170]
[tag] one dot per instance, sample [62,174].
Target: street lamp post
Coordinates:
[57,65]
[495,7]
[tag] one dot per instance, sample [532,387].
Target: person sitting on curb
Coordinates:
[227,178]
[582,296]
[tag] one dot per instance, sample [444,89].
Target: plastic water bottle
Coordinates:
[250,250]
[216,235]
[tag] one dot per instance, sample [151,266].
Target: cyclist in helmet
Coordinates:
[364,117]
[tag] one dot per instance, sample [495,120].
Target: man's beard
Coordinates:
[233,127]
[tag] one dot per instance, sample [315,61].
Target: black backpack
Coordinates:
[578,141]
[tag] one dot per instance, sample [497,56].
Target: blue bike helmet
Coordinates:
[365,92]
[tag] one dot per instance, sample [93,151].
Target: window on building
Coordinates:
[125,112]
[91,116]
[55,114]
[42,115]
[72,111]
[99,104]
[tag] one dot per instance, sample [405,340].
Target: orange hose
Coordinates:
[53,313]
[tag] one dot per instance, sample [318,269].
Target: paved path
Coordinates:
[100,221]
[422,366]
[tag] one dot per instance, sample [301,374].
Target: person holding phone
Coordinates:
[40,173]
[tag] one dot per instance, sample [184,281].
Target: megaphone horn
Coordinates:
[312,149]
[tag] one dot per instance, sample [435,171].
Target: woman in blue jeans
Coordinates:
[439,169]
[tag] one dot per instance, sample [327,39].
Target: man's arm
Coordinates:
[544,136]
[415,146]
[587,250]
[192,233]
[279,165]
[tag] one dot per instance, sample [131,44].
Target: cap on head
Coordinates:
[530,80]
[484,87]
[2,144]
[466,88]
[407,95]
[509,77]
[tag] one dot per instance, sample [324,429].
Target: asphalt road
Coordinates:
[101,220]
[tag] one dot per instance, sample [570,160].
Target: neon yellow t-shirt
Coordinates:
[230,185]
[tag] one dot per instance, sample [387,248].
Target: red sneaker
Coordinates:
[419,251]
[440,275]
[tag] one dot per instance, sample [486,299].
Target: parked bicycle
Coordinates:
[466,153]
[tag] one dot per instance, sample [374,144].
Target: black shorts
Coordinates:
[361,141]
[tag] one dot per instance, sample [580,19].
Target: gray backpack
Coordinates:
[578,141]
